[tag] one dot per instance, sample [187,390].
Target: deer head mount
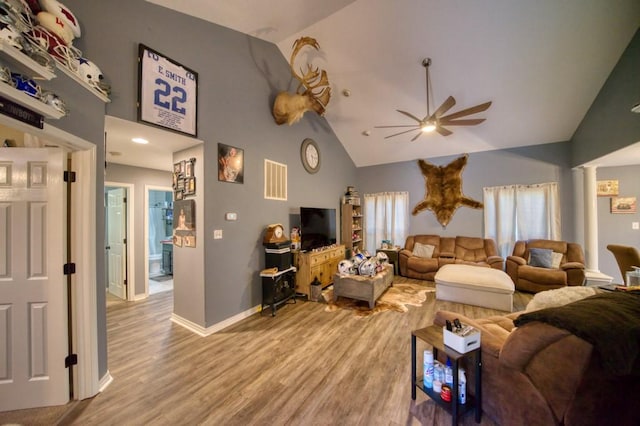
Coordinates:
[313,92]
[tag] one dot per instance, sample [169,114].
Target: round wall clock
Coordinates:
[310,155]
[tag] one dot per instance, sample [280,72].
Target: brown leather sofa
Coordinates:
[538,374]
[467,250]
[526,277]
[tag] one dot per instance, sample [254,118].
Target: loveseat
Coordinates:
[537,373]
[423,255]
[530,276]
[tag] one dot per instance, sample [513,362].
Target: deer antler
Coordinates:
[289,108]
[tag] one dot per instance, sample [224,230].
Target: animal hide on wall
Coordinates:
[443,193]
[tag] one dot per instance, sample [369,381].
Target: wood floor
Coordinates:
[304,366]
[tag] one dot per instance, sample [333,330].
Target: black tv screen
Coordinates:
[317,227]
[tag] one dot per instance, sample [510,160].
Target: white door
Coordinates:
[116,234]
[33,293]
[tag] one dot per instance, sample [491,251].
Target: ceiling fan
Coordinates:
[438,120]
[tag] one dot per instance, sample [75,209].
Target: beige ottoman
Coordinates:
[475,285]
[362,287]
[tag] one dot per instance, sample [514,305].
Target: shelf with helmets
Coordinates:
[18,61]
[30,102]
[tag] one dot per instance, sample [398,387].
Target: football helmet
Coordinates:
[382,257]
[5,75]
[11,36]
[55,101]
[17,13]
[367,268]
[26,85]
[62,12]
[48,41]
[345,267]
[56,26]
[357,259]
[34,5]
[91,74]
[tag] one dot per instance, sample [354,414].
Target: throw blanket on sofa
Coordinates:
[609,321]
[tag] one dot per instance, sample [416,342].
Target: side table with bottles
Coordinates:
[433,336]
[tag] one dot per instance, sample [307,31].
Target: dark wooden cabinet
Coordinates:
[278,288]
[167,258]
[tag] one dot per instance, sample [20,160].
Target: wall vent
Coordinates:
[275,180]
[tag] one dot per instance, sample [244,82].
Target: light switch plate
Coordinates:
[217,234]
[635,225]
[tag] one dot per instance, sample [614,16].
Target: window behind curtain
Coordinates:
[386,217]
[521,212]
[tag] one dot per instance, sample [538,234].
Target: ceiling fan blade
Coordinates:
[401,133]
[416,136]
[409,115]
[468,122]
[446,106]
[443,131]
[400,125]
[468,111]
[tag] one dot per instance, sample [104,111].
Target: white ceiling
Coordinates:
[540,62]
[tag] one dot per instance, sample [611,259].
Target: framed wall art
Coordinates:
[623,205]
[607,188]
[184,222]
[230,164]
[167,93]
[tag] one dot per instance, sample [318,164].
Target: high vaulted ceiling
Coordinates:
[541,62]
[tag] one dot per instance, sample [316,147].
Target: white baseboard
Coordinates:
[206,331]
[105,381]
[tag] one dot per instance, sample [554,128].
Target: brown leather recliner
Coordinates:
[467,250]
[526,277]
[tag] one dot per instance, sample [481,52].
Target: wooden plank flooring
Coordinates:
[304,366]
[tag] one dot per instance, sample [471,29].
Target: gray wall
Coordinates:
[609,124]
[529,165]
[139,177]
[616,228]
[239,77]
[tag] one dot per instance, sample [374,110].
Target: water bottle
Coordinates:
[462,387]
[428,369]
[438,377]
[448,373]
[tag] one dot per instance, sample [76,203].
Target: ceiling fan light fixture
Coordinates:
[428,126]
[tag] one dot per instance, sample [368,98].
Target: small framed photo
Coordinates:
[177,168]
[190,187]
[188,170]
[621,205]
[607,188]
[178,195]
[230,164]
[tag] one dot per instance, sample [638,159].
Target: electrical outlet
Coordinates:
[635,225]
[217,234]
[231,216]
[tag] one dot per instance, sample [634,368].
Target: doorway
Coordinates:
[119,244]
[159,238]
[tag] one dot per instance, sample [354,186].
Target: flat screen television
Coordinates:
[317,227]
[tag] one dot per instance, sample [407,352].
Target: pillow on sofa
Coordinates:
[423,250]
[540,257]
[556,258]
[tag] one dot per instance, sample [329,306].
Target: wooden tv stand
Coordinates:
[321,264]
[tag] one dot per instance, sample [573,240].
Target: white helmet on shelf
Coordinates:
[17,13]
[62,12]
[91,74]
[56,26]
[11,36]
[55,101]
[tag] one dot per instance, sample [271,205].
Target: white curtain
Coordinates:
[386,217]
[521,212]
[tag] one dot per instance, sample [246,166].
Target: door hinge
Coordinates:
[124,241]
[69,176]
[69,268]
[125,282]
[70,360]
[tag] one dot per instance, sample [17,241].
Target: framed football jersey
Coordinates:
[167,93]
